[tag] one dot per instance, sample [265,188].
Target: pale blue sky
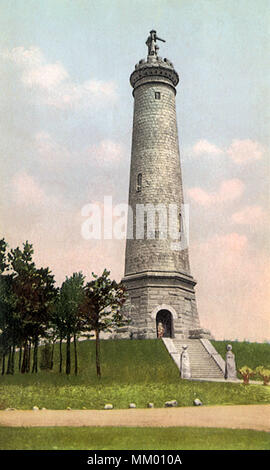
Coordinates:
[66,122]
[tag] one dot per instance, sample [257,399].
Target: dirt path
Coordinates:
[255,417]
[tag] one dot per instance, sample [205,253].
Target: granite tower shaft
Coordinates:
[157,272]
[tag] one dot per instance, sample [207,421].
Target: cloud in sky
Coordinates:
[249,215]
[106,152]
[228,191]
[232,243]
[49,150]
[55,155]
[26,191]
[45,76]
[245,151]
[239,151]
[28,58]
[52,83]
[205,147]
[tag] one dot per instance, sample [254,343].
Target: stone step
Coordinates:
[202,364]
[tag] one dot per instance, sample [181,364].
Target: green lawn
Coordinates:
[139,371]
[108,438]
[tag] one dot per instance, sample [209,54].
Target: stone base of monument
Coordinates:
[135,332]
[130,332]
[197,333]
[200,333]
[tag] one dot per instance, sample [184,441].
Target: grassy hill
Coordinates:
[139,371]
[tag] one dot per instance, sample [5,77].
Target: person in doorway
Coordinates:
[160,330]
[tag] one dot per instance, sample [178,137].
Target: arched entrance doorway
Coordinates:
[165,317]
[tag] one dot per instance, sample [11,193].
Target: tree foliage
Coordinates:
[33,309]
[101,308]
[66,315]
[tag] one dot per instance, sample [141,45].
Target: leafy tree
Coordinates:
[67,314]
[4,326]
[44,294]
[8,324]
[3,266]
[23,269]
[58,326]
[34,293]
[101,308]
[3,256]
[51,336]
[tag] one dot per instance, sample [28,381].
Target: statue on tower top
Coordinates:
[151,43]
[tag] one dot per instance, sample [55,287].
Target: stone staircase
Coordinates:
[205,362]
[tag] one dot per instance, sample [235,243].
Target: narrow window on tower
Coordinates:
[139,182]
[157,95]
[180,223]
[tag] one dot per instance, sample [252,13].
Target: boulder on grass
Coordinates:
[108,406]
[171,404]
[197,402]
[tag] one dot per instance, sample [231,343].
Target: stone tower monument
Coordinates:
[161,295]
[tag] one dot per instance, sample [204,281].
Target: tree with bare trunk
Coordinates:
[67,316]
[101,308]
[34,294]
